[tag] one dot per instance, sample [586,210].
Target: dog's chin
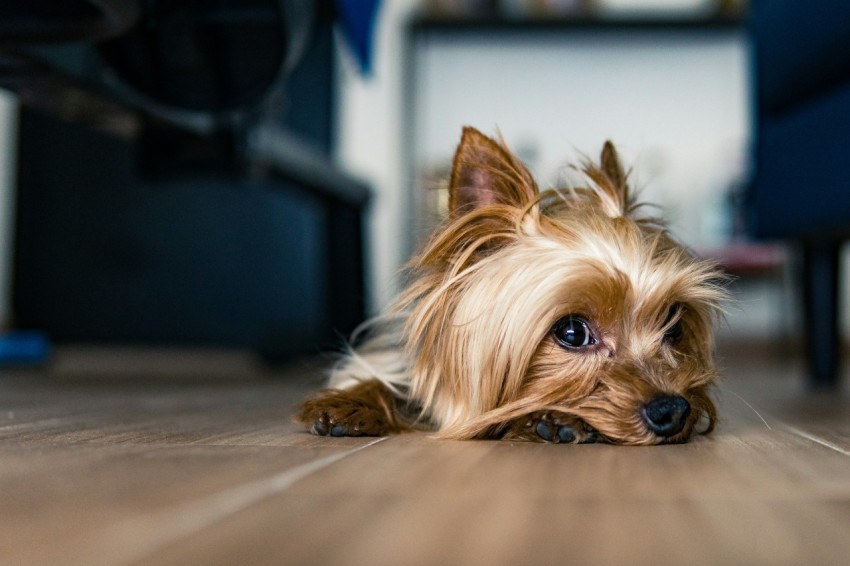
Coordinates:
[643,438]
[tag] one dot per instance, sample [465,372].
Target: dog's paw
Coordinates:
[556,428]
[325,424]
[338,416]
[364,411]
[353,422]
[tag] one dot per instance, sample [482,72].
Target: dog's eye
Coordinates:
[573,332]
[673,333]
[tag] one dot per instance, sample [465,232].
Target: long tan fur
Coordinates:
[468,345]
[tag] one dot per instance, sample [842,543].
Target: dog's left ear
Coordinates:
[485,173]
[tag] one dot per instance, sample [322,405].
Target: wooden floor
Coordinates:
[177,462]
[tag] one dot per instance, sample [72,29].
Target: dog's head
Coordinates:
[569,300]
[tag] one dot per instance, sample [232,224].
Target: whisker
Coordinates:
[726,389]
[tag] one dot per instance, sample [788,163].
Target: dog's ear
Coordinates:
[611,166]
[485,173]
[611,182]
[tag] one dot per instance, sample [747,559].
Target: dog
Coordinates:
[568,315]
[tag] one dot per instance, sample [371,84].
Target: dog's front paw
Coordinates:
[325,423]
[365,410]
[337,415]
[557,428]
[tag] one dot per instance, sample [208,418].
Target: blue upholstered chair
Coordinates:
[801,187]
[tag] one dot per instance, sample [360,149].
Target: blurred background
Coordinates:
[253,174]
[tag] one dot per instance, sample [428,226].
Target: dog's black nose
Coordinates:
[666,416]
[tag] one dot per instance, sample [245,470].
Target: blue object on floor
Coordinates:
[24,347]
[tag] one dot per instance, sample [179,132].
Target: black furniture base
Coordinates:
[820,276]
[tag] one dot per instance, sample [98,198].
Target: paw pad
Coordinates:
[551,432]
[553,427]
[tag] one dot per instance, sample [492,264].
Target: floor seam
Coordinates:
[817,440]
[174,524]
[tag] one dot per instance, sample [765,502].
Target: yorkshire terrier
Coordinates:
[565,316]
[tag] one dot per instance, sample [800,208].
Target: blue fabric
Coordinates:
[802,49]
[802,188]
[357,23]
[23,347]
[802,68]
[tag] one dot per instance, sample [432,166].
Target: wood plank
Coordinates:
[104,505]
[95,472]
[746,495]
[213,472]
[776,389]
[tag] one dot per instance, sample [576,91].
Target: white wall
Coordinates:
[675,104]
[371,145]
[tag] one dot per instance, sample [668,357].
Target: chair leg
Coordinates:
[820,283]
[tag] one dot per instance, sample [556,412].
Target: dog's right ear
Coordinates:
[610,182]
[611,166]
[486,173]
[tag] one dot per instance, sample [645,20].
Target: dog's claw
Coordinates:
[325,427]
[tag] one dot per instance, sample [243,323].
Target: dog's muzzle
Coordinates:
[666,416]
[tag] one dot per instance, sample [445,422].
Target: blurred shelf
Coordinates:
[486,24]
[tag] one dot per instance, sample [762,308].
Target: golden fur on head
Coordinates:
[491,284]
[472,341]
